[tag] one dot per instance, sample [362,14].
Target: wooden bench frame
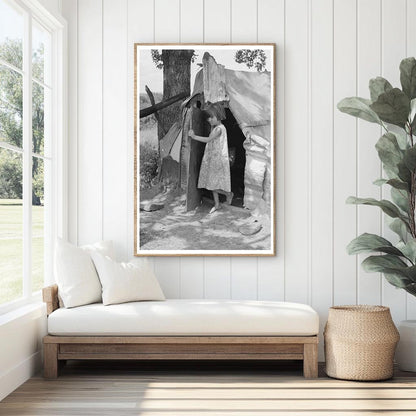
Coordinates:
[58,349]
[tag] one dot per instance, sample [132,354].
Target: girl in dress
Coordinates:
[214,174]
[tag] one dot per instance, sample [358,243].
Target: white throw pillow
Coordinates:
[75,273]
[104,247]
[126,282]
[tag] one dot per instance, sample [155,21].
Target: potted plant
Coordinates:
[394,109]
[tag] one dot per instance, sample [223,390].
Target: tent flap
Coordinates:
[169,139]
[249,95]
[214,80]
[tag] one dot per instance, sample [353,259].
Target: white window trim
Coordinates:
[59,146]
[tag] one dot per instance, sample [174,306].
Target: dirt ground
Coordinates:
[172,228]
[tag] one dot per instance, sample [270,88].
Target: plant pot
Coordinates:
[360,341]
[406,350]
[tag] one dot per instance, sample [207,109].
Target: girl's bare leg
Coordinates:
[216,202]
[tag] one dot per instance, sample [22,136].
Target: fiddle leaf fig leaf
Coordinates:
[411,289]
[408,249]
[412,116]
[388,207]
[412,110]
[414,126]
[398,184]
[402,139]
[397,280]
[395,270]
[380,182]
[366,243]
[404,173]
[410,158]
[408,77]
[395,183]
[359,107]
[410,272]
[392,107]
[390,173]
[389,151]
[381,263]
[378,86]
[400,198]
[400,228]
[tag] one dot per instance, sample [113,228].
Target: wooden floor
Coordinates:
[223,389]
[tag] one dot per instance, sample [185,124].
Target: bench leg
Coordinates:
[310,360]
[50,360]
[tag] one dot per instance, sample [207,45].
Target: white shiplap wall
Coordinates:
[326,50]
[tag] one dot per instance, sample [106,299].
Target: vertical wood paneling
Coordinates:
[167,29]
[217,21]
[217,28]
[244,21]
[411,51]
[168,273]
[393,51]
[167,24]
[244,29]
[244,278]
[217,278]
[90,92]
[192,30]
[369,167]
[114,124]
[411,28]
[296,152]
[192,277]
[70,11]
[315,69]
[271,28]
[345,152]
[321,34]
[192,21]
[140,29]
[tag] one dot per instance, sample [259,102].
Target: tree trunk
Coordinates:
[35,167]
[176,80]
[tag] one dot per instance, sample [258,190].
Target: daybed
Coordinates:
[181,329]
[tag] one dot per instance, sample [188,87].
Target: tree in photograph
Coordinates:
[253,58]
[11,115]
[176,65]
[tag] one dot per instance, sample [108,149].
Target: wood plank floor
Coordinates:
[206,388]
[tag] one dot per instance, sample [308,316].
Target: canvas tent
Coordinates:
[247,98]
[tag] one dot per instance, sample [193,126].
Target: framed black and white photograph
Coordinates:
[204,149]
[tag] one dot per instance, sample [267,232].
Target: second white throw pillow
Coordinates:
[126,282]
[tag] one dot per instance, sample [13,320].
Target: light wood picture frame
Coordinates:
[205,149]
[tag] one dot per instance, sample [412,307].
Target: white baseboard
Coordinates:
[11,379]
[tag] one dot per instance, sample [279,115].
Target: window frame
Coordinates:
[57,225]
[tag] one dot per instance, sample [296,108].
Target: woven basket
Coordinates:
[360,341]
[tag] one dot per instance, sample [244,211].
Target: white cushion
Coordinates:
[105,248]
[75,273]
[187,317]
[126,282]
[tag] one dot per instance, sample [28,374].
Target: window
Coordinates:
[31,140]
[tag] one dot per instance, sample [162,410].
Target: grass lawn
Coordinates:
[11,249]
